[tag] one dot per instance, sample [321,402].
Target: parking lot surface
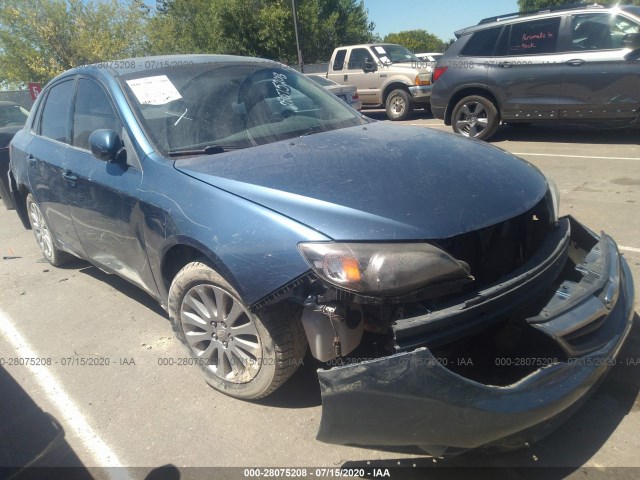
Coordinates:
[145,408]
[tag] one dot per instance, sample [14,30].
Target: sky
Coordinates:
[441,18]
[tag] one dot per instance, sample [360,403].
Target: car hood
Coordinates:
[378,182]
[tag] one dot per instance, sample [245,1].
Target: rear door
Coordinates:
[527,71]
[601,80]
[103,199]
[47,163]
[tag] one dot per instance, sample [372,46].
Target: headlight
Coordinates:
[554,195]
[381,268]
[423,79]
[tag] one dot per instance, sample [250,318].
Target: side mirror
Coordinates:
[631,40]
[106,145]
[369,67]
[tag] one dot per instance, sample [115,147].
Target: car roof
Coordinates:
[541,13]
[125,66]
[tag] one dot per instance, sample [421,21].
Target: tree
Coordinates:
[42,38]
[262,28]
[417,41]
[526,5]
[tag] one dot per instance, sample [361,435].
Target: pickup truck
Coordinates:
[384,74]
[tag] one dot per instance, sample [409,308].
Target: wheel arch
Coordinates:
[394,85]
[466,92]
[20,193]
[179,252]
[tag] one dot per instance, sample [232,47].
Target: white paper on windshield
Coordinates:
[384,59]
[380,50]
[156,90]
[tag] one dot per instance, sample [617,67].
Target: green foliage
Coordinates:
[417,41]
[526,5]
[42,38]
[262,28]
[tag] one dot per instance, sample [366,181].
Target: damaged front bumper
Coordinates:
[582,293]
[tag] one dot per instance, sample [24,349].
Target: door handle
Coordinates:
[575,62]
[31,160]
[345,77]
[69,177]
[505,64]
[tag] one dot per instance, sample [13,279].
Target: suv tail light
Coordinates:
[437,73]
[355,96]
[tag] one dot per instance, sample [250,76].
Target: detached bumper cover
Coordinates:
[410,399]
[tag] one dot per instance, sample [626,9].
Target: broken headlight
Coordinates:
[382,268]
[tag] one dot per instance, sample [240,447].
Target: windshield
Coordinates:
[215,107]
[12,115]
[394,54]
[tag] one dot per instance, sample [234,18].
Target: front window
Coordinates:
[210,108]
[600,31]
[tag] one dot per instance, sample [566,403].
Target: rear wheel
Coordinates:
[475,117]
[242,354]
[399,105]
[43,234]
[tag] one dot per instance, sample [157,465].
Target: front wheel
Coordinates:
[399,105]
[475,117]
[242,354]
[44,236]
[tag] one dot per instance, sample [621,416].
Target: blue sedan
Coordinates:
[446,303]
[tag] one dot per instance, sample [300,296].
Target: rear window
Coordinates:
[534,37]
[482,43]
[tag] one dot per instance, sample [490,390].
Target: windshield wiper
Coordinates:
[208,150]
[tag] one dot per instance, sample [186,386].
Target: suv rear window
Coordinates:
[482,43]
[534,37]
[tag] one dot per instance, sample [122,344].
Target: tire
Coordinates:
[399,105]
[241,354]
[475,117]
[44,237]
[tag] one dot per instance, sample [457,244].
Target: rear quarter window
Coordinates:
[482,43]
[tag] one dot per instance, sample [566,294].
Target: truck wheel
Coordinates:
[241,354]
[44,236]
[399,105]
[475,117]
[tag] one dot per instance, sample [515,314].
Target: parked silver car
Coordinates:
[347,93]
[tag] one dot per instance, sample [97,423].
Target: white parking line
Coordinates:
[67,409]
[636,159]
[629,249]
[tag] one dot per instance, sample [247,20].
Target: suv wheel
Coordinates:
[475,117]
[242,354]
[399,105]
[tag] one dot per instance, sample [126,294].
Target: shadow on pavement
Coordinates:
[31,438]
[567,134]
